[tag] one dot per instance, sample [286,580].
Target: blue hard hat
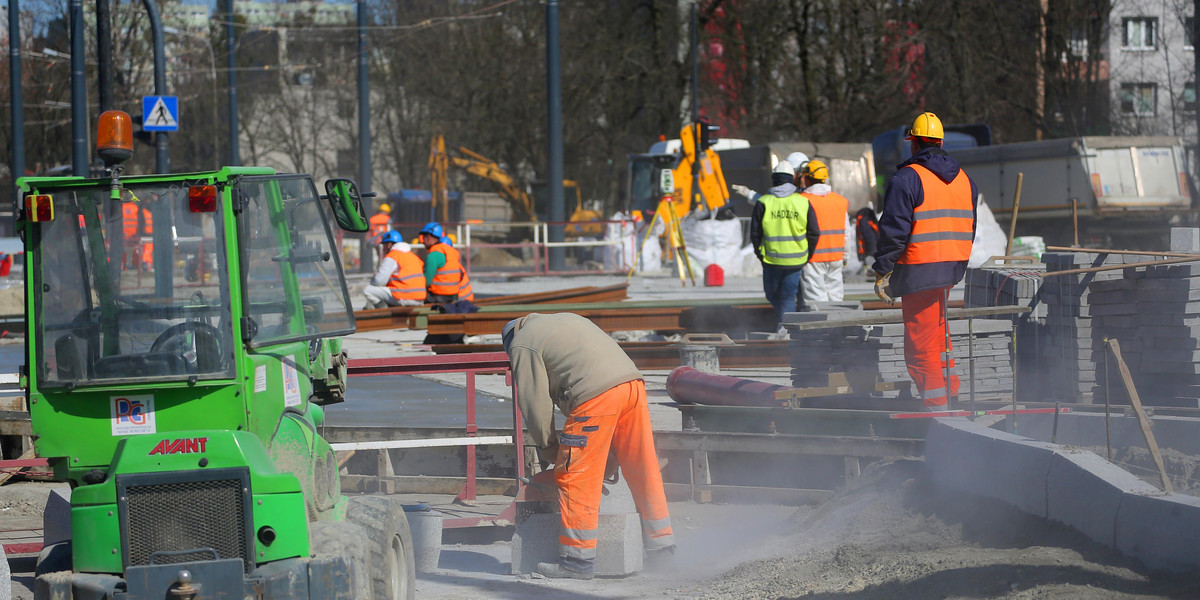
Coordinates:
[445,239]
[433,229]
[391,237]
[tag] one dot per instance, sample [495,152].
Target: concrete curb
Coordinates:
[1074,487]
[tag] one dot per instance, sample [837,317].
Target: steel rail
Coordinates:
[654,318]
[655,356]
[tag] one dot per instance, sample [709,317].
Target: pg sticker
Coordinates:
[291,385]
[132,415]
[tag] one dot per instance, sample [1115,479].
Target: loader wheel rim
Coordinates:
[399,572]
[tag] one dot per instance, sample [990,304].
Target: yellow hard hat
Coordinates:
[926,125]
[816,170]
[385,208]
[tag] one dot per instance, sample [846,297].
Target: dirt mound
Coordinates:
[495,257]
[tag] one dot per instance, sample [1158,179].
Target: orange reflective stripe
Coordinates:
[464,289]
[943,225]
[408,280]
[831,220]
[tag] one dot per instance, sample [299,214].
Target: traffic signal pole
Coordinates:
[554,138]
[16,99]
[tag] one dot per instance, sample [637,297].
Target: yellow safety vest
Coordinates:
[784,227]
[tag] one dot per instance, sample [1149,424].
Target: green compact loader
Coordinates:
[183,336]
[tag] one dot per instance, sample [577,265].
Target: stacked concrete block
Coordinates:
[880,349]
[1066,340]
[1154,313]
[1004,285]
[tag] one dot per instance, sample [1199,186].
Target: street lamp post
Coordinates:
[213,73]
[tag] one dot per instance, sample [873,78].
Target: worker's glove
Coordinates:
[742,190]
[883,287]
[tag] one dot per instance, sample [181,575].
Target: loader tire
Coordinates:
[347,540]
[393,567]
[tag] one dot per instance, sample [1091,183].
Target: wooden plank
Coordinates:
[1143,421]
[15,423]
[6,475]
[12,404]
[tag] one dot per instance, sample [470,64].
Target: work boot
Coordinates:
[557,571]
[660,559]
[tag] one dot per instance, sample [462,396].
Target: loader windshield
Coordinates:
[133,288]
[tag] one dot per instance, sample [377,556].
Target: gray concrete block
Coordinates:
[618,500]
[956,451]
[535,540]
[1016,473]
[1084,491]
[5,577]
[618,549]
[1185,239]
[1160,530]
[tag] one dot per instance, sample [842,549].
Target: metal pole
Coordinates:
[162,163]
[554,138]
[14,94]
[366,258]
[79,123]
[971,361]
[104,53]
[694,192]
[231,73]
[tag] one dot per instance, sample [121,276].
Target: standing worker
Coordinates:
[823,275]
[444,273]
[381,222]
[784,233]
[567,361]
[400,280]
[926,232]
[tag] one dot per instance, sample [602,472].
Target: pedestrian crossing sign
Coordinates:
[160,113]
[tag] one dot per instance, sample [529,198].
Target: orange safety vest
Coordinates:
[943,225]
[408,280]
[380,223]
[448,279]
[831,210]
[464,288]
[129,221]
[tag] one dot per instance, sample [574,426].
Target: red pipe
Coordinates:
[690,386]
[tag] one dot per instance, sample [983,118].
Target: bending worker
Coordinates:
[823,275]
[400,280]
[564,359]
[784,233]
[926,232]
[444,273]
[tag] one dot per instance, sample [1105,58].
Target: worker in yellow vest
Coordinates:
[783,231]
[823,275]
[400,280]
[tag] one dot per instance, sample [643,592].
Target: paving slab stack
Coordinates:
[1014,284]
[880,349]
[1066,345]
[1154,312]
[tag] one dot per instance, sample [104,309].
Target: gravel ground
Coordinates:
[888,537]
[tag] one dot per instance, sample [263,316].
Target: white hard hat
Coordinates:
[797,160]
[402,246]
[784,167]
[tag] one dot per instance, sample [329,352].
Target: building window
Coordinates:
[1189,96]
[1139,33]
[1188,24]
[1138,99]
[1078,43]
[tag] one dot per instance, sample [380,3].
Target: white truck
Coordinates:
[1126,190]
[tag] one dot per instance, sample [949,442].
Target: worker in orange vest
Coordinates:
[444,272]
[381,222]
[565,360]
[926,232]
[400,280]
[823,275]
[136,223]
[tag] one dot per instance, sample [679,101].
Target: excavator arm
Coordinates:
[479,166]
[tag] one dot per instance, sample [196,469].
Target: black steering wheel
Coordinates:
[201,350]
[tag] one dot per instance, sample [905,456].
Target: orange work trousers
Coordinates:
[618,419]
[926,346]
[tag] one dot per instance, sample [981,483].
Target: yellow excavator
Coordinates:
[476,164]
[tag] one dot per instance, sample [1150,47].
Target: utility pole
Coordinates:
[231,72]
[79,123]
[366,258]
[104,53]
[554,138]
[18,107]
[695,191]
[162,162]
